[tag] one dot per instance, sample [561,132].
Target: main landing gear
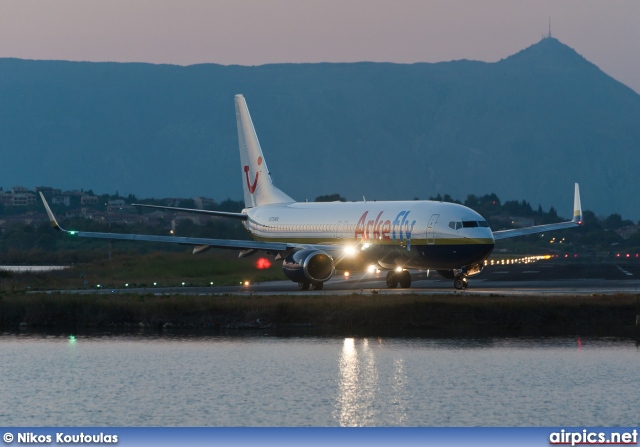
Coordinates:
[402,278]
[460,282]
[305,285]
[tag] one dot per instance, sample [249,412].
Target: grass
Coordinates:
[166,269]
[455,314]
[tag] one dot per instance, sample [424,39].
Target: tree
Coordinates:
[331,198]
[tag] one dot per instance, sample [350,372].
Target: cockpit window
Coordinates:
[455,225]
[483,223]
[469,224]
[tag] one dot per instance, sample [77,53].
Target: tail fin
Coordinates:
[256,179]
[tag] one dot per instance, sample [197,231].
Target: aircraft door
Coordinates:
[431,226]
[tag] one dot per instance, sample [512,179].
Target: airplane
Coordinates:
[313,239]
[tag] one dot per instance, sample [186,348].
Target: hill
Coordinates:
[526,126]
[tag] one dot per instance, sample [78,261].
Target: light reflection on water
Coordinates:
[258,381]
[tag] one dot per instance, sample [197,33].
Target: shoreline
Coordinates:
[367,315]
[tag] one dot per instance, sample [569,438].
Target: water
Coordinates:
[270,381]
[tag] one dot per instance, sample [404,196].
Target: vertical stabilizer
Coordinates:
[256,179]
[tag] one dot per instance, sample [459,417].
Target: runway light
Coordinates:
[263,263]
[126,285]
[155,284]
[98,286]
[183,283]
[211,283]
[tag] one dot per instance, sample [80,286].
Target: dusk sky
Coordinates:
[254,32]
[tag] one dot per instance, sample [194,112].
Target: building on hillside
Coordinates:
[61,200]
[47,191]
[18,196]
[89,200]
[626,232]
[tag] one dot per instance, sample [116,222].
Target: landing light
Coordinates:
[349,250]
[371,268]
[346,275]
[246,283]
[398,269]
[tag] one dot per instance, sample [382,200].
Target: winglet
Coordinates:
[52,218]
[577,208]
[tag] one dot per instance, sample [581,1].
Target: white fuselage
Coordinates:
[424,233]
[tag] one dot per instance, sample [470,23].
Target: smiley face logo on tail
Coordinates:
[252,188]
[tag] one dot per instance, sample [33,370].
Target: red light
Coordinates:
[566,256]
[618,255]
[263,263]
[575,256]
[628,255]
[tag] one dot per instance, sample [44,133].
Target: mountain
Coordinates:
[525,127]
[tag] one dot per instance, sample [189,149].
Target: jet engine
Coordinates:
[308,266]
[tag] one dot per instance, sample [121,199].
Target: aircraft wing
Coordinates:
[577,220]
[217,243]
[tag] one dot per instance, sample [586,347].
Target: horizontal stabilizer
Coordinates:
[239,216]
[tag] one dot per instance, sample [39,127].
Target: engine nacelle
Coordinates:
[308,266]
